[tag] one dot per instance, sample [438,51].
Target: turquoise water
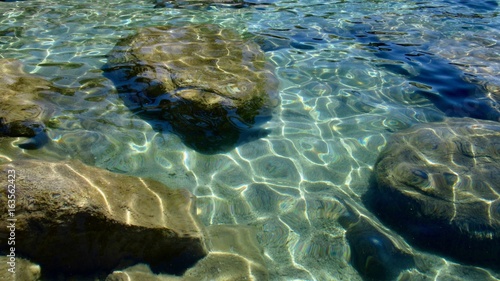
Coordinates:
[340,101]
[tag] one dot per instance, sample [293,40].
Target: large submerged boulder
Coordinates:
[21,112]
[234,254]
[75,219]
[212,86]
[439,183]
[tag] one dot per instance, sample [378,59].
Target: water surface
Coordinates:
[346,84]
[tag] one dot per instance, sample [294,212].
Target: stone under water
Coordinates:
[234,254]
[74,219]
[375,254]
[213,87]
[439,184]
[21,109]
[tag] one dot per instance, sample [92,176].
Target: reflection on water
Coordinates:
[342,98]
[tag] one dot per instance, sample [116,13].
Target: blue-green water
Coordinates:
[340,101]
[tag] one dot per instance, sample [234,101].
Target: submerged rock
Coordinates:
[454,92]
[21,113]
[375,254]
[213,87]
[234,254]
[76,219]
[439,183]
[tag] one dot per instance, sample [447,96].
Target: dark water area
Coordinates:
[483,6]
[449,88]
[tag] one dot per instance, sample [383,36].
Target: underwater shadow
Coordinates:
[478,6]
[455,93]
[202,82]
[201,132]
[449,208]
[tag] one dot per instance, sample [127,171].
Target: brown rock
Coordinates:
[72,218]
[234,254]
[208,82]
[21,113]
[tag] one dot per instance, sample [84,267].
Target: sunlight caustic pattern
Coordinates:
[340,104]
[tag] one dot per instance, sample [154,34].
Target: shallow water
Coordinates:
[341,98]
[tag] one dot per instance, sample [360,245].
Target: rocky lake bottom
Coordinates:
[250,140]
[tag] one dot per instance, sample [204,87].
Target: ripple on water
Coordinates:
[320,173]
[266,202]
[253,150]
[79,144]
[357,75]
[163,161]
[293,75]
[296,219]
[315,89]
[338,107]
[222,212]
[233,177]
[294,130]
[283,147]
[276,170]
[313,149]
[123,162]
[323,214]
[273,236]
[297,114]
[324,254]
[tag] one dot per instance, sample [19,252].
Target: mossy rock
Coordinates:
[208,82]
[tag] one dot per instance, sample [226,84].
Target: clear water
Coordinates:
[338,108]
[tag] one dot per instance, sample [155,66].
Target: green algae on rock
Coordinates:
[439,183]
[76,219]
[212,86]
[21,112]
